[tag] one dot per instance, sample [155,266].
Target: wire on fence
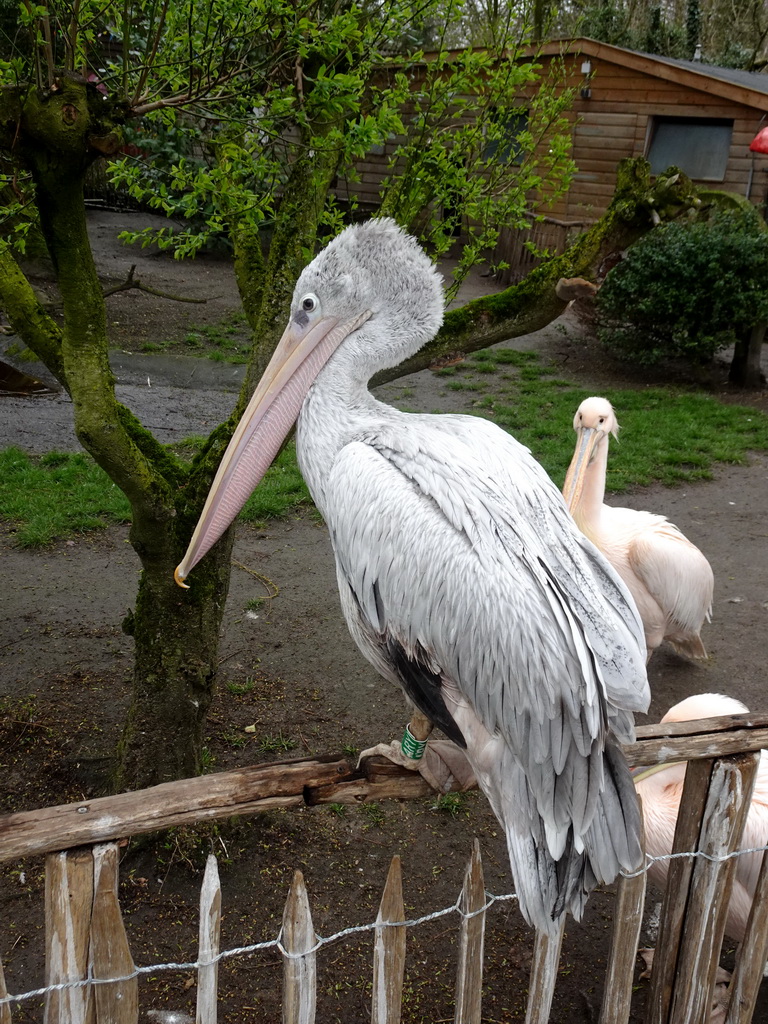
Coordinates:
[256,947]
[322,941]
[692,853]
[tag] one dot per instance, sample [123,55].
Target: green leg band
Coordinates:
[412,747]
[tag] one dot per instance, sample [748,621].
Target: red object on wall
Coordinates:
[760,142]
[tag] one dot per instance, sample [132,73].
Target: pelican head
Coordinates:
[704,705]
[593,422]
[698,706]
[372,292]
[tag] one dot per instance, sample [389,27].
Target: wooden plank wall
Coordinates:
[614,122]
[611,124]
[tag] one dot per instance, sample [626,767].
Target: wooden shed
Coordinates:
[689,114]
[696,116]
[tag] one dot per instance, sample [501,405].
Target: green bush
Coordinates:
[687,289]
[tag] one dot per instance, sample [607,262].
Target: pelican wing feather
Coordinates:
[654,553]
[455,549]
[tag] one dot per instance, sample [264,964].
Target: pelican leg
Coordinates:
[444,765]
[407,752]
[420,726]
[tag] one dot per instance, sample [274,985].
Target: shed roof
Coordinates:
[747,87]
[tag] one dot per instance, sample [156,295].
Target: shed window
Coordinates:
[506,147]
[699,146]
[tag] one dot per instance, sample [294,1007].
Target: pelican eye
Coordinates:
[309,303]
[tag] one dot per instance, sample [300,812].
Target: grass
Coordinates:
[58,495]
[466,385]
[450,803]
[373,814]
[668,436]
[275,744]
[240,689]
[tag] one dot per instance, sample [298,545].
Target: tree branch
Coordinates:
[130,283]
[27,317]
[533,304]
[155,43]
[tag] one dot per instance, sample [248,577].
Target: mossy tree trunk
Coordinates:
[176,635]
[175,632]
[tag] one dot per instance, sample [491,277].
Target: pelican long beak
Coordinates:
[300,355]
[588,438]
[641,772]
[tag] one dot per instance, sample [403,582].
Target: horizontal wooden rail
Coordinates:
[690,741]
[309,781]
[206,798]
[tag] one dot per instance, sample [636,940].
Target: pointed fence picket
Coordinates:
[300,970]
[389,951]
[469,974]
[91,979]
[752,955]
[68,906]
[116,1002]
[627,922]
[210,935]
[546,958]
[5,1010]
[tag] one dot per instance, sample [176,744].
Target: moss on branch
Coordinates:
[27,317]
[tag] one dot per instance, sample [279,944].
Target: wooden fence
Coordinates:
[90,974]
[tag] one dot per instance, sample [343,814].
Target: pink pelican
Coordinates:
[669,578]
[661,789]
[462,577]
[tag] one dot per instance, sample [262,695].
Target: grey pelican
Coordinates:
[462,577]
[669,578]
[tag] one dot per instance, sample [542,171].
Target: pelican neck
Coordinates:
[339,409]
[590,506]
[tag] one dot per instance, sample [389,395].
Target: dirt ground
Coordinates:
[290,669]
